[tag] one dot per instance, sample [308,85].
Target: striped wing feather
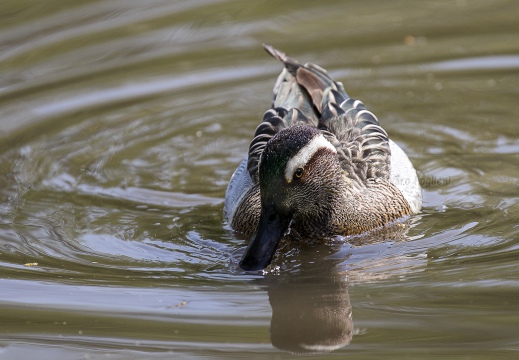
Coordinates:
[305,94]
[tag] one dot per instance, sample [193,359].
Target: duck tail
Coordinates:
[303,86]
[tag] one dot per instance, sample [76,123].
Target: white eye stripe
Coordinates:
[305,154]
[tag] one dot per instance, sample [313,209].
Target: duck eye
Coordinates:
[298,173]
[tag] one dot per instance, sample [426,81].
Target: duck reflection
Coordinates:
[311,309]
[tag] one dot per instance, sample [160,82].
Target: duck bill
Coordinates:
[271,228]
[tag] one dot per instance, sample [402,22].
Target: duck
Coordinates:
[319,165]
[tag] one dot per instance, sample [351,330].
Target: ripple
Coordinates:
[121,123]
[66,183]
[127,93]
[476,63]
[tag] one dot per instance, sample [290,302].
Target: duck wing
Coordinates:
[362,145]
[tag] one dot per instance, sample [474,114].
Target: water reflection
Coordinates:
[309,314]
[311,309]
[307,285]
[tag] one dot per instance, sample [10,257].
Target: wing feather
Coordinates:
[306,94]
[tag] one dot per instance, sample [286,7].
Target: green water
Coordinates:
[121,123]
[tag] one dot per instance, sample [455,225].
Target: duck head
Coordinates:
[299,175]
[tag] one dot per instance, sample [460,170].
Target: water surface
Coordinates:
[122,122]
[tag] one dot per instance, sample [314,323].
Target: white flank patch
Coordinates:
[305,154]
[403,176]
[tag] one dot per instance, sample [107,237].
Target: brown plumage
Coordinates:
[343,188]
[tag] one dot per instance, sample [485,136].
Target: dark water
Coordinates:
[121,123]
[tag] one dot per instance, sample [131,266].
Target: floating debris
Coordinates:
[179,305]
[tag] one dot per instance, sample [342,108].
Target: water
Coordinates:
[121,123]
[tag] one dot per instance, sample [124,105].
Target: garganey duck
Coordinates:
[319,165]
